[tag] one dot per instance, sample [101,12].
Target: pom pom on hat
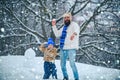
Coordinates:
[50,41]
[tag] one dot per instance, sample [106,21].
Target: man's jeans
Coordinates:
[64,54]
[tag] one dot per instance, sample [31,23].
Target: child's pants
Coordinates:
[49,68]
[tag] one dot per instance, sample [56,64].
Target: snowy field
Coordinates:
[31,68]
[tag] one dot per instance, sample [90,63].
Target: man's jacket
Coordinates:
[69,44]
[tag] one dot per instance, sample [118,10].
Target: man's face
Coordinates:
[67,20]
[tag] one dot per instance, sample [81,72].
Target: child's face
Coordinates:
[50,46]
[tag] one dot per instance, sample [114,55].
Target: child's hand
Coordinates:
[44,44]
[42,47]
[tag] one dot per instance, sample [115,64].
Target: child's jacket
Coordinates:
[49,54]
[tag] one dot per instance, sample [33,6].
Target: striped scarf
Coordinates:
[62,38]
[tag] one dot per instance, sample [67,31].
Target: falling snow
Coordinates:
[2,30]
[118,61]
[2,35]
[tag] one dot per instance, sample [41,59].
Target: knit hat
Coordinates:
[50,41]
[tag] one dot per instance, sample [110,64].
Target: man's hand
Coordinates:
[53,22]
[72,36]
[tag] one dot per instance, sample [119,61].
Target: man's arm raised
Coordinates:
[55,30]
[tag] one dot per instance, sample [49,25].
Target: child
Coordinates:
[50,52]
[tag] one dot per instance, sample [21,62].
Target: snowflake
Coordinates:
[33,47]
[98,4]
[6,45]
[33,4]
[36,49]
[55,3]
[50,4]
[118,61]
[57,8]
[22,11]
[101,77]
[2,35]
[112,42]
[87,77]
[102,12]
[22,76]
[118,76]
[20,40]
[43,17]
[108,61]
[36,77]
[36,13]
[101,48]
[33,69]
[2,29]
[109,17]
[103,62]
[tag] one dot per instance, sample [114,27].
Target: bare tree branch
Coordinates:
[89,57]
[47,20]
[95,13]
[81,8]
[13,35]
[108,52]
[28,30]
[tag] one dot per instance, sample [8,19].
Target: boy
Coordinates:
[50,52]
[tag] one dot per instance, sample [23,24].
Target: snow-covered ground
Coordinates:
[31,68]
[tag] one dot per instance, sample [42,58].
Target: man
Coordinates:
[69,42]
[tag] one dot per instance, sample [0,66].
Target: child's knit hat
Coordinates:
[50,41]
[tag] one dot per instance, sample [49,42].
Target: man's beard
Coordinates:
[67,23]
